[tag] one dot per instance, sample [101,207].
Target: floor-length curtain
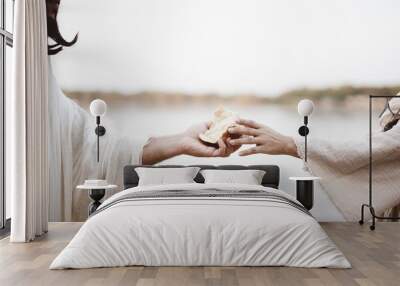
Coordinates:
[28,123]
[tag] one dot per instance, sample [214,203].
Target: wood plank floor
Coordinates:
[375,257]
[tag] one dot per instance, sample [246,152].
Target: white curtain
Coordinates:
[27,122]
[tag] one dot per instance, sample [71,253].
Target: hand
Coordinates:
[265,139]
[192,145]
[161,148]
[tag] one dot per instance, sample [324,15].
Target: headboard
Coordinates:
[271,177]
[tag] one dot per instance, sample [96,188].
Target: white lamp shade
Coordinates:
[98,107]
[305,107]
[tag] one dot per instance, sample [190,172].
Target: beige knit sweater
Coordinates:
[343,167]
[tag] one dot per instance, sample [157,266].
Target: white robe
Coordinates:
[72,155]
[344,169]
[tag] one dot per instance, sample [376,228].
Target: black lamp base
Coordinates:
[100,130]
[303,130]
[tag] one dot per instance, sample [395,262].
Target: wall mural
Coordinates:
[164,67]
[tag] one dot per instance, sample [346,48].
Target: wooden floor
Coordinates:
[375,257]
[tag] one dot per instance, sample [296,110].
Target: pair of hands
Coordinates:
[246,132]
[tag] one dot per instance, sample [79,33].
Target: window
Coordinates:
[6,43]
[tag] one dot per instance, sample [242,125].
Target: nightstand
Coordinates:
[96,193]
[305,190]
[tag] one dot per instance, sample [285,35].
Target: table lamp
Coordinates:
[98,108]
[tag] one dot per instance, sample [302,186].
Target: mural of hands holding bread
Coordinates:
[228,129]
[221,137]
[207,139]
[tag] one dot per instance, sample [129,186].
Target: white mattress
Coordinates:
[200,231]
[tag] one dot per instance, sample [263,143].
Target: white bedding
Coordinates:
[200,231]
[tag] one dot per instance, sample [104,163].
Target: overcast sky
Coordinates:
[227,46]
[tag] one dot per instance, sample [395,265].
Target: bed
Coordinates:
[198,224]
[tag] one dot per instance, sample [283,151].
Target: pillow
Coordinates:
[248,177]
[165,176]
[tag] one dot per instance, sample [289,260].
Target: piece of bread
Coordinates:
[223,119]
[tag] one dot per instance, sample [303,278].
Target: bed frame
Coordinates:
[270,179]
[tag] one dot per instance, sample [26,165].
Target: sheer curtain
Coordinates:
[27,123]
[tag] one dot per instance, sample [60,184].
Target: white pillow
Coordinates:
[165,176]
[248,177]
